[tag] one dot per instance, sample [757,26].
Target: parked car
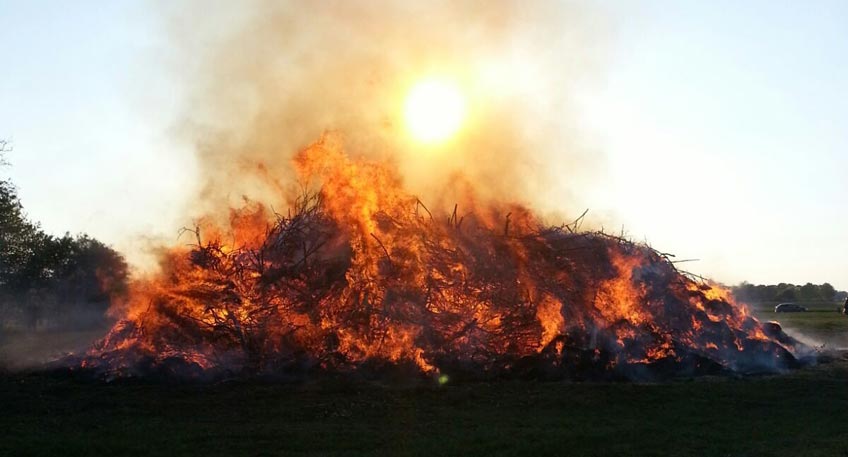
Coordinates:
[789,308]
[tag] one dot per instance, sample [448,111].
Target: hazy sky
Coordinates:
[718,126]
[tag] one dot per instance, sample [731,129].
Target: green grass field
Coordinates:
[803,413]
[822,324]
[799,414]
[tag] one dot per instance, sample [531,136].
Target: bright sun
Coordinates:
[434,110]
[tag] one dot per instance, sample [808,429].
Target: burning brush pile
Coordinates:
[361,279]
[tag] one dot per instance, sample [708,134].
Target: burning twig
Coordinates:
[386,251]
[195,231]
[552,301]
[577,223]
[419,203]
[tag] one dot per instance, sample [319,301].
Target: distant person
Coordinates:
[845,307]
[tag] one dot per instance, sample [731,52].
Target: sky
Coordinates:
[717,127]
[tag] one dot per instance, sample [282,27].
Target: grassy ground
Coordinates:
[21,349]
[822,324]
[803,413]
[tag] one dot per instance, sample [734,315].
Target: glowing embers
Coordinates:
[357,279]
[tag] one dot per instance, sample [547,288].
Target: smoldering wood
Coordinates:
[477,321]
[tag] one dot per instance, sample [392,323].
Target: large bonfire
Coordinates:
[360,278]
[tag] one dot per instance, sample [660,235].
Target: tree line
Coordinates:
[51,281]
[785,292]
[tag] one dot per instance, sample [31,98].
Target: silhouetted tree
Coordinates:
[827,291]
[787,292]
[809,292]
[42,276]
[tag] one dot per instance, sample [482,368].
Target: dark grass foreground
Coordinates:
[803,413]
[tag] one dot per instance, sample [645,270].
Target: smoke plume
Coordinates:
[264,79]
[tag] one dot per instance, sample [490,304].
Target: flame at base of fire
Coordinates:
[361,278]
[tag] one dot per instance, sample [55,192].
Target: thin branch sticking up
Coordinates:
[195,231]
[386,251]
[577,223]
[4,148]
[417,204]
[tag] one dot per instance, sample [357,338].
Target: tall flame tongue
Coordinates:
[361,277]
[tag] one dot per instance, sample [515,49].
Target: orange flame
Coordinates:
[361,274]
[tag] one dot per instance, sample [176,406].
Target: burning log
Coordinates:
[355,280]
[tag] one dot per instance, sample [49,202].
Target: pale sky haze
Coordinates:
[719,126]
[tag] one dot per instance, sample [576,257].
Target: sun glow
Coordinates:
[434,110]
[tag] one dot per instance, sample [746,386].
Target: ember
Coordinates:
[361,278]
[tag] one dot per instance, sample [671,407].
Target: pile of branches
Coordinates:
[423,295]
